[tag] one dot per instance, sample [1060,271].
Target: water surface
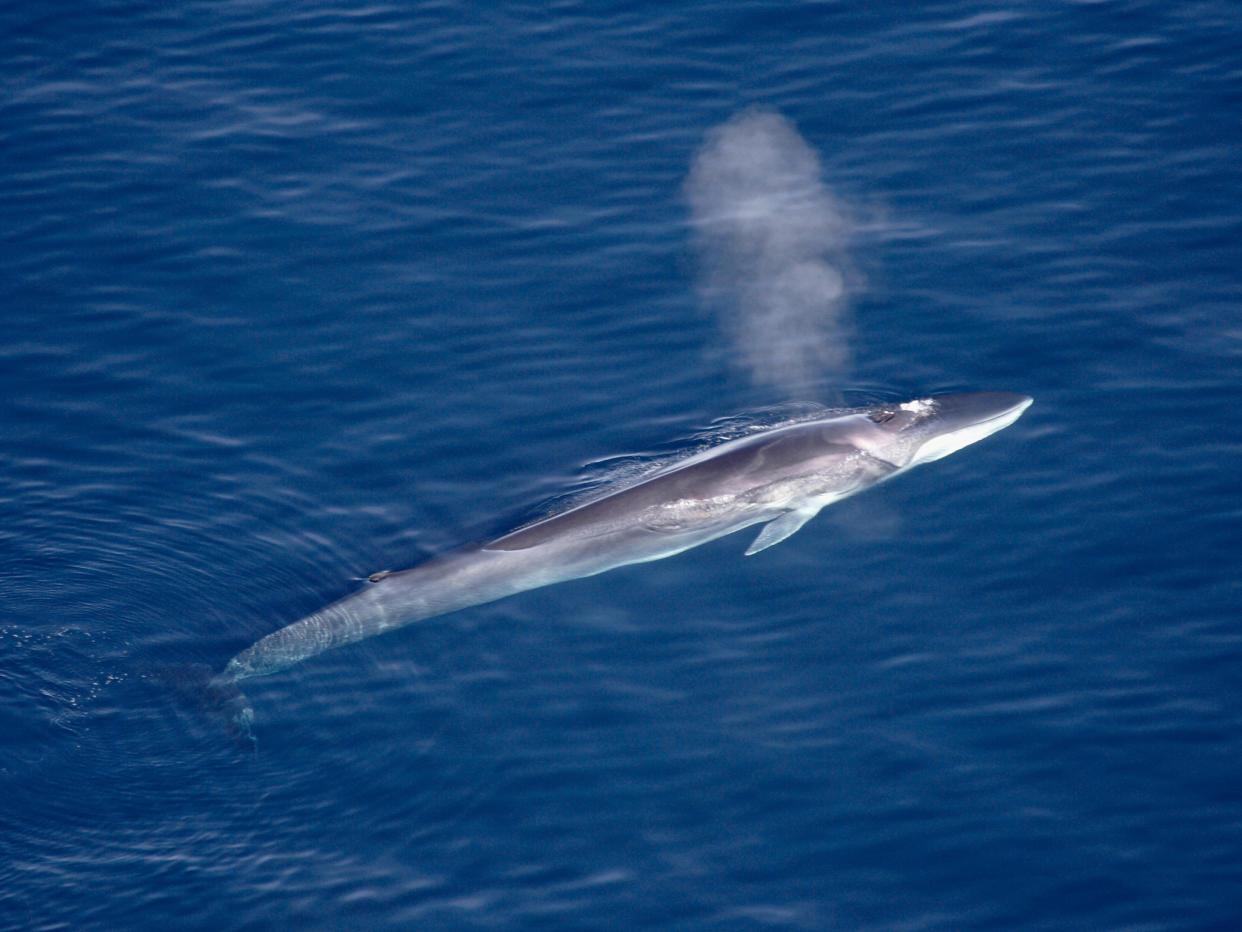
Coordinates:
[289,295]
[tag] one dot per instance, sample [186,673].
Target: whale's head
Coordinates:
[926,429]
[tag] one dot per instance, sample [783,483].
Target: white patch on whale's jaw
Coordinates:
[940,446]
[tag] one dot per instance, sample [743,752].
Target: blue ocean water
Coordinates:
[291,293]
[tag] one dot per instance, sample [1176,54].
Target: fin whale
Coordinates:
[780,478]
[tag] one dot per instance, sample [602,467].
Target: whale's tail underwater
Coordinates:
[779,477]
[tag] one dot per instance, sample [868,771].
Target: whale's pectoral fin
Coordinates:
[778,529]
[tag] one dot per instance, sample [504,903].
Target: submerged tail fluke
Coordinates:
[215,697]
[233,702]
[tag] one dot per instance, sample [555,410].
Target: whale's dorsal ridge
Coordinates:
[521,539]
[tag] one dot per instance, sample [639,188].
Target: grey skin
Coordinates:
[779,478]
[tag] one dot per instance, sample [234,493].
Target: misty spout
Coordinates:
[772,241]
